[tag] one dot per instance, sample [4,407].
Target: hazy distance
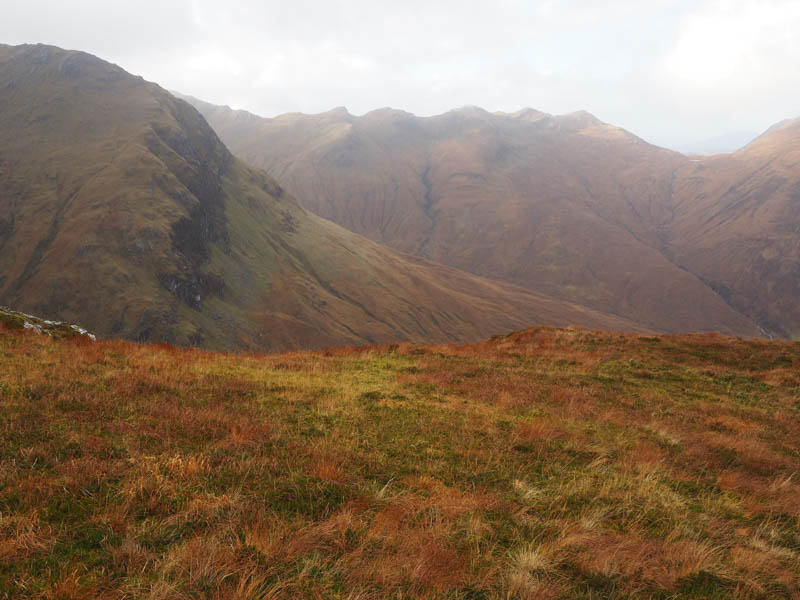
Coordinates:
[673,72]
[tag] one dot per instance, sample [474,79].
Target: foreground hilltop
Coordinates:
[549,463]
[564,204]
[122,210]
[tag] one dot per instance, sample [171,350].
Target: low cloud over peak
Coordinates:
[672,72]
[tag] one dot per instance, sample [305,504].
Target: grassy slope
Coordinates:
[566,205]
[97,168]
[121,210]
[547,463]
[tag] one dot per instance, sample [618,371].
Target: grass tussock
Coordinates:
[545,464]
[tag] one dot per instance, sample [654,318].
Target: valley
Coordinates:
[568,205]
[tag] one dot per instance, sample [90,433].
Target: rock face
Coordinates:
[122,210]
[566,205]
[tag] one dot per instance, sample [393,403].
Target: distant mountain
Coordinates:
[121,210]
[736,225]
[567,205]
[720,144]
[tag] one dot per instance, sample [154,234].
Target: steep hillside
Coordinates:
[566,205]
[547,464]
[120,209]
[737,225]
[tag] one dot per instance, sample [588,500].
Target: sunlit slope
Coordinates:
[566,205]
[120,209]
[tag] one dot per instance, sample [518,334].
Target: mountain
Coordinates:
[720,144]
[567,205]
[121,210]
[737,226]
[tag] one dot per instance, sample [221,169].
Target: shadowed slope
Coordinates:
[120,209]
[566,205]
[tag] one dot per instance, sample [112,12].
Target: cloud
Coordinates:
[737,40]
[670,70]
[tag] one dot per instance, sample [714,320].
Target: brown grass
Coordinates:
[546,464]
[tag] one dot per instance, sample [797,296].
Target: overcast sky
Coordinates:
[673,72]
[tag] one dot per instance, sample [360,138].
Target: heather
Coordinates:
[549,463]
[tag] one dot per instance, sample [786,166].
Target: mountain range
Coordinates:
[140,215]
[719,144]
[566,205]
[121,210]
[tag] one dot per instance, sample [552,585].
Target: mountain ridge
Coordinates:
[565,204]
[125,212]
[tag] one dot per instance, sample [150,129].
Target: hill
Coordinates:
[736,224]
[549,463]
[121,209]
[567,205]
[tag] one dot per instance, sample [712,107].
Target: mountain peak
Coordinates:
[785,124]
[782,137]
[70,64]
[388,112]
[340,112]
[528,114]
[577,120]
[470,111]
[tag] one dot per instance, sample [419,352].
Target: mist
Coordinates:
[675,73]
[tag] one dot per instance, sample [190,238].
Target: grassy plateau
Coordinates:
[549,463]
